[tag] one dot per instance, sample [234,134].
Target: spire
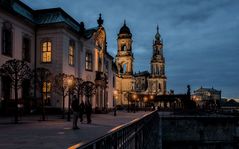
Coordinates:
[100,20]
[124,22]
[157,36]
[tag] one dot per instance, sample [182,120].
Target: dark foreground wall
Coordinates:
[204,132]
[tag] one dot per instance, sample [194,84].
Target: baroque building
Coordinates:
[141,83]
[206,97]
[52,39]
[124,63]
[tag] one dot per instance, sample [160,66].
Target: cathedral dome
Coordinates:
[124,29]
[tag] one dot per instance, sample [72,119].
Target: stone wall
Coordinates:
[202,132]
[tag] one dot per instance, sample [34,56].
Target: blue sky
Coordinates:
[200,36]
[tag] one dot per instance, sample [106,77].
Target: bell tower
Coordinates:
[124,62]
[157,80]
[124,57]
[157,61]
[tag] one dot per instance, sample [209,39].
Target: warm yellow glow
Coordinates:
[151,97]
[71,55]
[70,81]
[145,99]
[134,96]
[115,92]
[46,87]
[46,52]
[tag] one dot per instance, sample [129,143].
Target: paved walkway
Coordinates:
[57,133]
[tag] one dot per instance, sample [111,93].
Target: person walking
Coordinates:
[82,110]
[75,109]
[88,110]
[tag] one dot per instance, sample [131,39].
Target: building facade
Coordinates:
[207,97]
[142,83]
[52,39]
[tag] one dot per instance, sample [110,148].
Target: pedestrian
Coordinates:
[82,110]
[75,109]
[115,109]
[88,110]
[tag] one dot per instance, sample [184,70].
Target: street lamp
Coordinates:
[70,81]
[114,102]
[145,101]
[134,97]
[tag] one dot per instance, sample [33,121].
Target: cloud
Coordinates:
[200,37]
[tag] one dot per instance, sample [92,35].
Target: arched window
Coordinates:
[7,39]
[124,48]
[46,90]
[46,52]
[124,68]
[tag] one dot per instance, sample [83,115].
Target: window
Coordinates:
[46,89]
[124,48]
[46,52]
[88,61]
[71,53]
[26,52]
[7,39]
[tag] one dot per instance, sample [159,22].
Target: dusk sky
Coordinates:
[201,37]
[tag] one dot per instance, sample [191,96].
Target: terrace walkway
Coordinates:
[57,133]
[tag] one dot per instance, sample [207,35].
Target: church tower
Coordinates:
[157,80]
[124,57]
[124,63]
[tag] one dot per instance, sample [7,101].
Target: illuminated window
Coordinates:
[26,53]
[46,52]
[71,53]
[46,89]
[88,61]
[7,39]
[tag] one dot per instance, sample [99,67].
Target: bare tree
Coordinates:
[89,89]
[79,87]
[61,88]
[17,71]
[42,76]
[71,81]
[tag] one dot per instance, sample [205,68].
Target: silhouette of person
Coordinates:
[82,110]
[88,110]
[75,109]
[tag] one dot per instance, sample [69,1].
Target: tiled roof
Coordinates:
[43,16]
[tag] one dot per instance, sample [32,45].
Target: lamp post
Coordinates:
[145,101]
[114,102]
[134,97]
[70,82]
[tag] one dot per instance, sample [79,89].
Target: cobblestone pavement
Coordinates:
[56,132]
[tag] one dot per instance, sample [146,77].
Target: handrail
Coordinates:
[124,135]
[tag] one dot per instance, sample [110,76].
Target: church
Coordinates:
[141,86]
